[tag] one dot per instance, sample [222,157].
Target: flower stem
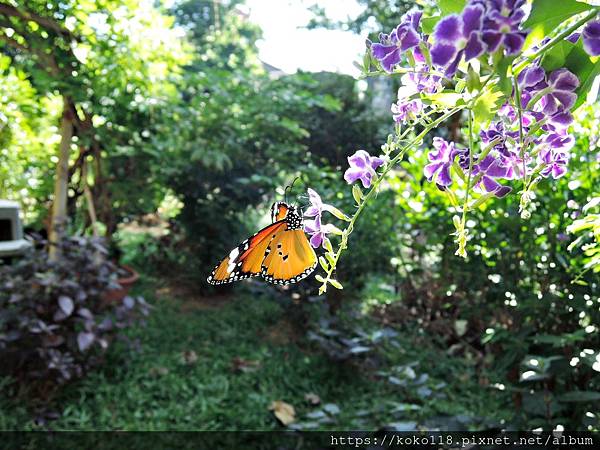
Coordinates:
[377,182]
[558,38]
[521,134]
[461,237]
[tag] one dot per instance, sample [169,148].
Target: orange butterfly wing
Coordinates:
[280,253]
[246,259]
[289,258]
[279,211]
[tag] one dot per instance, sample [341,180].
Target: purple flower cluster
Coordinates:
[443,158]
[553,95]
[406,110]
[483,26]
[402,38]
[409,106]
[546,100]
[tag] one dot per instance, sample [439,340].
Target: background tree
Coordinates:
[88,54]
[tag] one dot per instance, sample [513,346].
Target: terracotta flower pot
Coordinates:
[125,281]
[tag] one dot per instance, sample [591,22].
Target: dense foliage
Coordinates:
[517,82]
[55,318]
[180,146]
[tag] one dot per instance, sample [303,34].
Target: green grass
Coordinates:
[154,389]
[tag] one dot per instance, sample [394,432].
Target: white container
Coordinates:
[11,230]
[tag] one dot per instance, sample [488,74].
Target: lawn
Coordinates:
[219,363]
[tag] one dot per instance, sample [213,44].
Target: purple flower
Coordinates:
[317,231]
[441,161]
[498,132]
[501,26]
[560,142]
[573,38]
[554,162]
[532,78]
[419,81]
[317,206]
[558,96]
[489,169]
[483,26]
[516,166]
[362,167]
[458,35]
[405,111]
[404,37]
[561,95]
[591,38]
[413,83]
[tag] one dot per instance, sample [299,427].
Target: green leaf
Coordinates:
[487,105]
[331,258]
[327,245]
[446,7]
[330,103]
[481,200]
[503,68]
[580,396]
[428,23]
[555,57]
[323,263]
[451,6]
[447,99]
[357,194]
[337,213]
[336,284]
[473,80]
[426,53]
[586,69]
[575,58]
[547,15]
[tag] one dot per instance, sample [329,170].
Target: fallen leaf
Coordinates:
[284,412]
[332,408]
[460,327]
[318,414]
[189,357]
[159,371]
[244,365]
[312,398]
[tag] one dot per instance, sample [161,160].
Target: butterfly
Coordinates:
[280,252]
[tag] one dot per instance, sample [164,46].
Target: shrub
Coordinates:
[54,323]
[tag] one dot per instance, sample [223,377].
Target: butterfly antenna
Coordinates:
[289,188]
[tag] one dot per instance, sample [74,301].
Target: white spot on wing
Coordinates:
[232,260]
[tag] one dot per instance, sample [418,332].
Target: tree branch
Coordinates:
[13,43]
[45,22]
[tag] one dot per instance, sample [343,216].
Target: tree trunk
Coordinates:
[59,216]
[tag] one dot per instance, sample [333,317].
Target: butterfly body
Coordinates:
[280,253]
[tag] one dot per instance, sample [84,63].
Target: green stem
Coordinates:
[558,38]
[470,174]
[521,133]
[376,183]
[487,150]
